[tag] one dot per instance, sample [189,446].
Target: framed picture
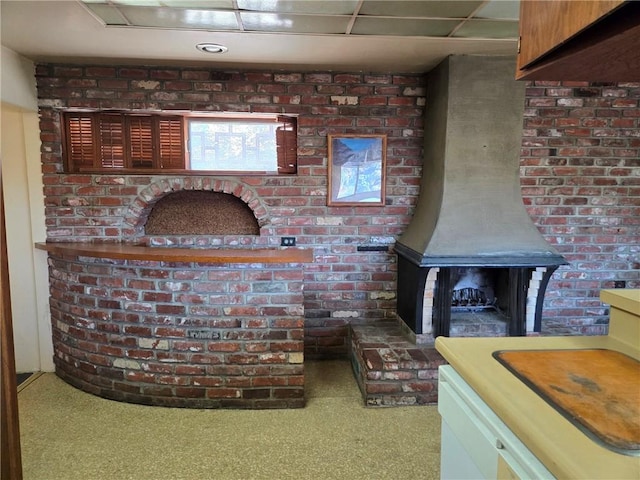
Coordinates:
[356,169]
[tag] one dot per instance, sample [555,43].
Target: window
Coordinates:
[262,144]
[148,143]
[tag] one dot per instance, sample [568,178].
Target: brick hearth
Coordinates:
[390,369]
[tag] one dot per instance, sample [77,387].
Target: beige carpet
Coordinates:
[68,434]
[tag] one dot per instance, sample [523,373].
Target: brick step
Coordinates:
[391,370]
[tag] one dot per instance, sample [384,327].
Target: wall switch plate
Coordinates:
[288,241]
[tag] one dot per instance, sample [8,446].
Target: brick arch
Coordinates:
[138,212]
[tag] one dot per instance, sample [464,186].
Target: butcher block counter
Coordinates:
[551,434]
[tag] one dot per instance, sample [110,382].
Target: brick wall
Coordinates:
[180,334]
[342,285]
[579,176]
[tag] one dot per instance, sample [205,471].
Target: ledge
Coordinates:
[626,299]
[166,254]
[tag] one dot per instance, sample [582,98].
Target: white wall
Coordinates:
[24,210]
[18,81]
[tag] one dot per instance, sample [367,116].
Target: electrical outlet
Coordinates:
[288,241]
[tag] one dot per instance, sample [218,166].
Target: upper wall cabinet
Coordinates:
[579,40]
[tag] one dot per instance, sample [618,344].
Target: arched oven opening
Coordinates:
[201,213]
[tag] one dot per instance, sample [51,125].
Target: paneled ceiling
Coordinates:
[335,35]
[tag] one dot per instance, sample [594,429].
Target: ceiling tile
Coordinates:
[199,4]
[180,18]
[420,8]
[138,3]
[341,7]
[110,15]
[404,27]
[488,29]
[273,22]
[507,9]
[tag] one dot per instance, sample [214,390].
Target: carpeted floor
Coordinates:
[68,434]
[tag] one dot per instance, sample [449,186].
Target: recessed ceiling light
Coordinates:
[211,48]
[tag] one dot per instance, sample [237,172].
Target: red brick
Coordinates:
[140,354]
[177,85]
[190,392]
[170,309]
[271,88]
[381,387]
[169,332]
[138,330]
[223,393]
[287,77]
[140,377]
[288,392]
[223,346]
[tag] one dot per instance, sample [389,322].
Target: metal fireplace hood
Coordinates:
[470,210]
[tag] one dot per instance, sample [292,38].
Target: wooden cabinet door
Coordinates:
[546,25]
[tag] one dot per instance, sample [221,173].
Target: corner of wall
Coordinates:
[17,81]
[23,178]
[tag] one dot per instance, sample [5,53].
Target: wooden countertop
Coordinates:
[169,254]
[566,451]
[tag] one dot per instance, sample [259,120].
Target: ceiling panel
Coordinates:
[504,9]
[109,14]
[333,17]
[487,29]
[180,18]
[277,22]
[213,4]
[403,27]
[432,8]
[347,35]
[324,7]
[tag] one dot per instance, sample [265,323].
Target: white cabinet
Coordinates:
[475,443]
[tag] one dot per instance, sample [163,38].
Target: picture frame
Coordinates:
[356,170]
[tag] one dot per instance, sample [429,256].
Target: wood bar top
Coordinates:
[172,254]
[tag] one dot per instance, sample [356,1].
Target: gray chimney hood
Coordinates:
[470,214]
[470,210]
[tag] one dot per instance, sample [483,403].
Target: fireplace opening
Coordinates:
[473,287]
[503,299]
[479,302]
[201,212]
